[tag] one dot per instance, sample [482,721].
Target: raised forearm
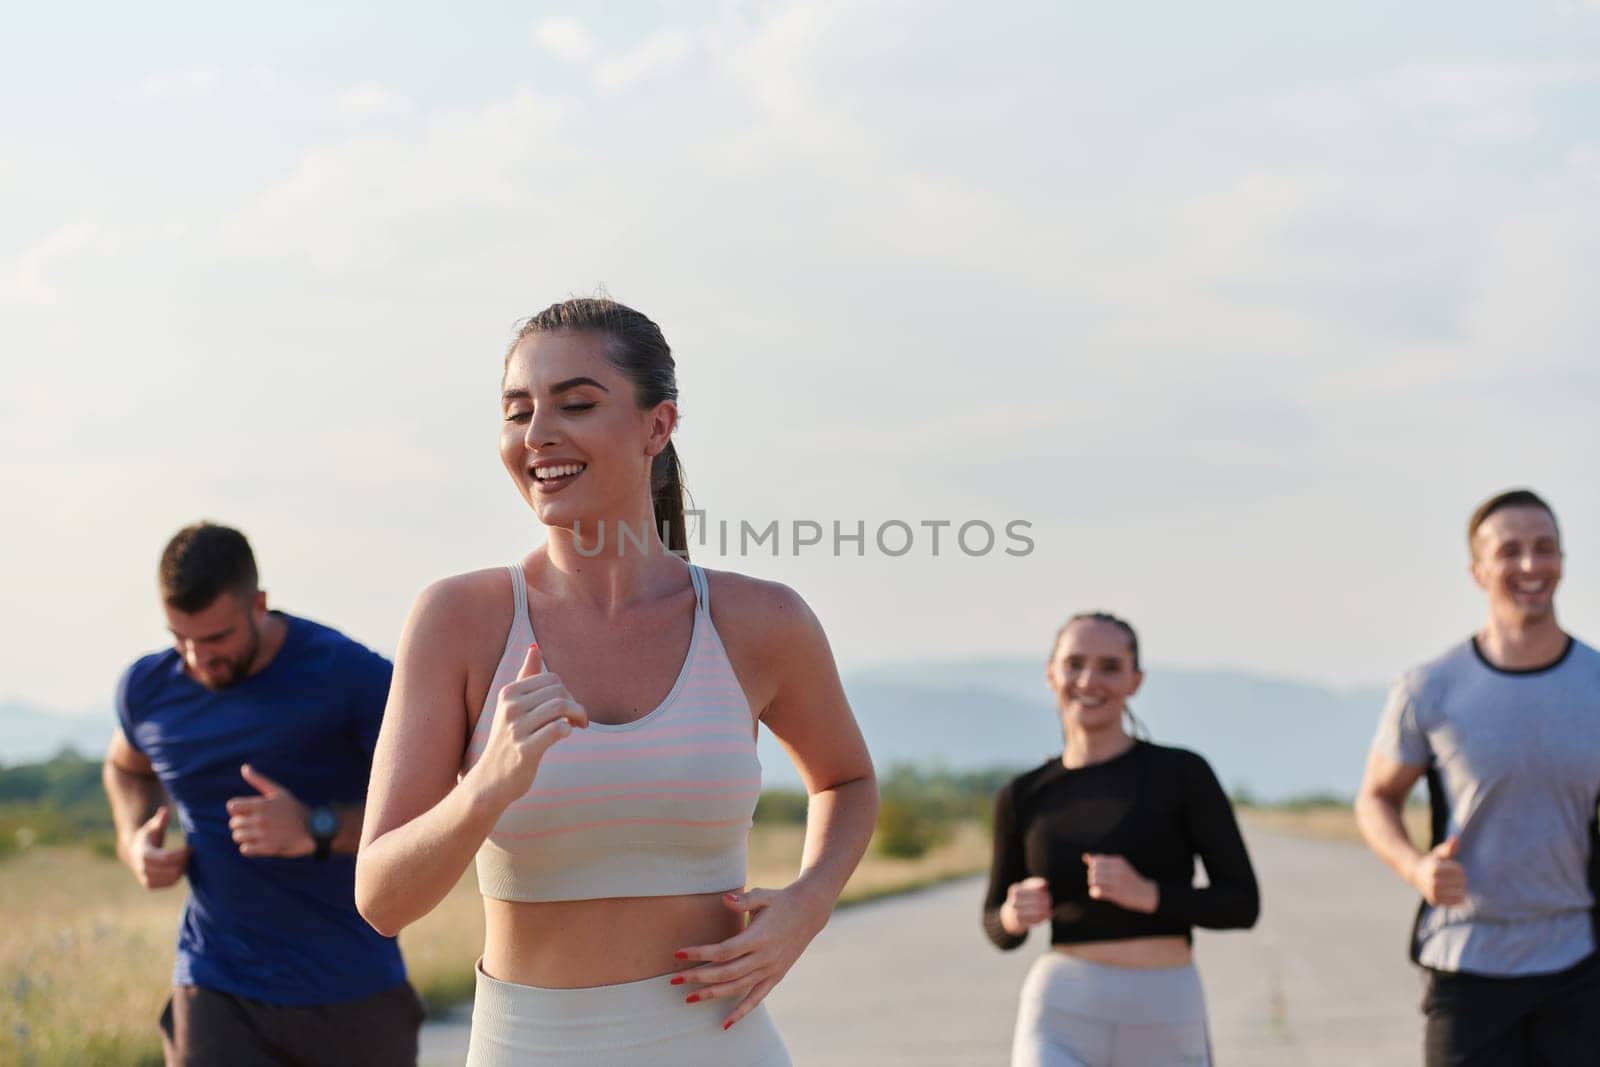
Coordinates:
[403,874]
[133,798]
[1383,826]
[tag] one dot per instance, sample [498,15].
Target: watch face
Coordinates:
[324,823]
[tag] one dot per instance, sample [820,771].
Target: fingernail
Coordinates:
[678,980]
[680,955]
[534,646]
[727,1024]
[693,998]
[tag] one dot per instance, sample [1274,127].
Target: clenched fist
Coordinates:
[1438,877]
[1113,879]
[272,824]
[532,713]
[1027,904]
[153,864]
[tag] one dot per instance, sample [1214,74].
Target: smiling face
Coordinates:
[1516,560]
[574,438]
[1092,674]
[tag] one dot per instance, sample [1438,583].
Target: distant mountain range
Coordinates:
[1276,739]
[29,733]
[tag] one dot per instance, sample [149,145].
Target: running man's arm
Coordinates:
[1380,804]
[139,815]
[1401,753]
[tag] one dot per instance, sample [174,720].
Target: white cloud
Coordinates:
[27,278]
[565,38]
[778,65]
[367,199]
[371,101]
[660,52]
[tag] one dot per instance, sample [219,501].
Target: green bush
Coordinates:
[782,805]
[908,829]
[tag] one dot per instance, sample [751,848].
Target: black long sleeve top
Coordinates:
[1158,808]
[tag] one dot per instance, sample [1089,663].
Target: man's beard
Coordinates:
[237,670]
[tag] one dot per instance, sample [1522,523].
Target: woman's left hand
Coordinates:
[1113,879]
[749,964]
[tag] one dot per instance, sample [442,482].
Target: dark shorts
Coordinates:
[1548,1020]
[205,1028]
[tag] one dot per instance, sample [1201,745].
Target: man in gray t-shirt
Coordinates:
[1506,728]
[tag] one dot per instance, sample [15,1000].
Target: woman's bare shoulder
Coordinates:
[758,607]
[465,606]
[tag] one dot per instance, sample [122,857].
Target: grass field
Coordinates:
[1337,823]
[85,954]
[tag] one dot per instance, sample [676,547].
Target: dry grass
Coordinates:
[84,960]
[85,954]
[1331,823]
[775,857]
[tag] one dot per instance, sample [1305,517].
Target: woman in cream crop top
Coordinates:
[652,807]
[605,778]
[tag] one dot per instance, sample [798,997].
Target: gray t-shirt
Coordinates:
[1517,759]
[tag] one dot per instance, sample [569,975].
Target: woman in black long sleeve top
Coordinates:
[1101,842]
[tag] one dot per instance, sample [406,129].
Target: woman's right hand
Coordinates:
[1027,904]
[532,713]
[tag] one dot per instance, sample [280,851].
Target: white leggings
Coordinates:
[626,1025]
[1080,1014]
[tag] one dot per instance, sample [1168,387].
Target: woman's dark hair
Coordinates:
[636,347]
[1139,729]
[203,561]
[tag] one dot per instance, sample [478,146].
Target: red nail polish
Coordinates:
[680,955]
[678,980]
[694,998]
[727,1024]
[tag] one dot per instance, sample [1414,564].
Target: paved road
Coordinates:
[1322,979]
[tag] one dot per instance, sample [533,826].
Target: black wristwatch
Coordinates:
[323,824]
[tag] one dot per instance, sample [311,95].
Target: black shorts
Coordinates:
[205,1028]
[1548,1020]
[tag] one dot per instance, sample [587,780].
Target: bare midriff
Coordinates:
[1133,952]
[569,944]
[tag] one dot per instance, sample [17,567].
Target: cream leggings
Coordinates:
[627,1025]
[1079,1014]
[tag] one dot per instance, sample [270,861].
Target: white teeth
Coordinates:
[546,473]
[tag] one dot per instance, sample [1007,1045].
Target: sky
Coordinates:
[1241,307]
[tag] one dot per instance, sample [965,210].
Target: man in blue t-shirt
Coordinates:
[260,726]
[1506,728]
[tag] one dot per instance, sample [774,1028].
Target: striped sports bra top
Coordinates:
[658,806]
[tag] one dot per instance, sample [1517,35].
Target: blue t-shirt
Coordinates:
[284,931]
